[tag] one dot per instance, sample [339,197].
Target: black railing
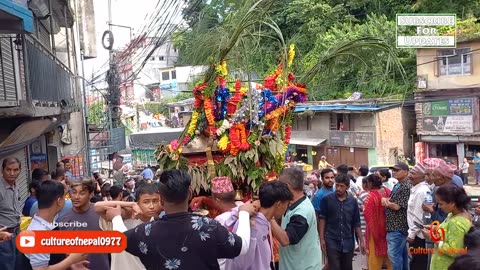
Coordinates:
[49,79]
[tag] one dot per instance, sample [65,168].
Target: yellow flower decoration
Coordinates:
[222,68]
[291,54]
[223,142]
[193,123]
[243,90]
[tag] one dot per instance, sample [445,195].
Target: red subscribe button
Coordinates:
[71,242]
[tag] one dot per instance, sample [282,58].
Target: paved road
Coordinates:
[356,263]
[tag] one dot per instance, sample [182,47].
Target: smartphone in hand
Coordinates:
[420,226]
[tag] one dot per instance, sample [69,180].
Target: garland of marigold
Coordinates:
[224,144]
[193,123]
[276,113]
[208,105]
[238,137]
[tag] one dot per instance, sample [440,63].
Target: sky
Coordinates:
[124,12]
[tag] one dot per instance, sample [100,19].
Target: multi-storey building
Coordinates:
[447,101]
[41,99]
[354,133]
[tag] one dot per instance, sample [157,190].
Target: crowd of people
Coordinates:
[292,224]
[397,214]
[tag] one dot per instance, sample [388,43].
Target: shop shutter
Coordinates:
[8,87]
[23,178]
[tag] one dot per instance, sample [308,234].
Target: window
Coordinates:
[455,62]
[174,75]
[302,123]
[152,58]
[340,122]
[165,76]
[161,58]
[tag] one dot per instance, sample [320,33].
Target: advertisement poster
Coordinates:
[449,116]
[39,161]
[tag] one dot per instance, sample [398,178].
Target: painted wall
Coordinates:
[363,122]
[319,127]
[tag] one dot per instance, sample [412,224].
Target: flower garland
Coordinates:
[174,146]
[271,80]
[276,113]
[291,54]
[225,125]
[208,106]
[198,94]
[193,123]
[221,68]
[288,134]
[234,150]
[238,137]
[224,144]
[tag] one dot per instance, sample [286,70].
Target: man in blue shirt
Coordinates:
[339,220]
[328,179]
[147,173]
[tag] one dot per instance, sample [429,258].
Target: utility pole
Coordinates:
[113,78]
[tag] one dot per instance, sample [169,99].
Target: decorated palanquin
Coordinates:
[237,130]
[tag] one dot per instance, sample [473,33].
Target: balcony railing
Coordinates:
[27,65]
[49,79]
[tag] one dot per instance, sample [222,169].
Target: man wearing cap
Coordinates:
[415,215]
[323,163]
[396,215]
[441,173]
[223,195]
[223,201]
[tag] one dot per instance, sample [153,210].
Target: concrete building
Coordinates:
[447,101]
[147,83]
[354,133]
[41,99]
[180,112]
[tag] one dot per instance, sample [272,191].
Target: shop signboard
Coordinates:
[449,116]
[352,139]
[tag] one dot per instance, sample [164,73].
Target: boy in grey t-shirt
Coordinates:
[85,218]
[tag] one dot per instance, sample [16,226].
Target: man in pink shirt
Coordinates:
[275,197]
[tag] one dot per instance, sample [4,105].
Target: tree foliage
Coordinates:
[319,28]
[97,114]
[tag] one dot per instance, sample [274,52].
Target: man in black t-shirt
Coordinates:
[182,240]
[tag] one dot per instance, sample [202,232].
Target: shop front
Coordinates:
[449,131]
[350,148]
[307,150]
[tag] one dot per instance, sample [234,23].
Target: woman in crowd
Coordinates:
[376,231]
[454,201]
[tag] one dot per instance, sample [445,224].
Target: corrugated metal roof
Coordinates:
[342,107]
